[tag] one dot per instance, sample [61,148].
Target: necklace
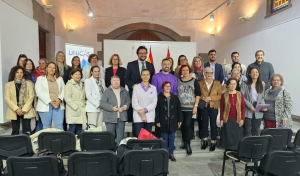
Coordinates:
[233,103]
[51,79]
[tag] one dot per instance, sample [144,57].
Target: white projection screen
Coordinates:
[81,51]
[18,35]
[127,50]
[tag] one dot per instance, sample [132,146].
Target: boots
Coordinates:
[212,146]
[204,144]
[183,145]
[188,149]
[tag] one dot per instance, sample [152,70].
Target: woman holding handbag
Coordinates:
[211,92]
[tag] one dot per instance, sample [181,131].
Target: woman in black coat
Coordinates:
[168,117]
[115,69]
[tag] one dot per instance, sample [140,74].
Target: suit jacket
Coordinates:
[249,103]
[11,100]
[120,73]
[133,75]
[218,72]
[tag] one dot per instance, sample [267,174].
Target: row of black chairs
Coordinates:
[98,149]
[274,151]
[96,163]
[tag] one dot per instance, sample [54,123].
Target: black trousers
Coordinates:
[199,119]
[251,126]
[186,129]
[16,125]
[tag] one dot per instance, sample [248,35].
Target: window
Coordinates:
[277,6]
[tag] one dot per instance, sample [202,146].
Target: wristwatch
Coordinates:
[196,105]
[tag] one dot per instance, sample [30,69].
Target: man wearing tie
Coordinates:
[217,68]
[133,74]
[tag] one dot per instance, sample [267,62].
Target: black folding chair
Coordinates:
[296,144]
[147,143]
[97,141]
[15,145]
[62,143]
[281,137]
[146,162]
[250,150]
[280,163]
[33,166]
[101,163]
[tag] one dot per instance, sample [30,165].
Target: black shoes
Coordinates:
[188,149]
[172,158]
[183,145]
[204,144]
[212,147]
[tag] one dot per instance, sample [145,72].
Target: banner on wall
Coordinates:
[81,51]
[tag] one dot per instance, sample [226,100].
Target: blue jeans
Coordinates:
[211,114]
[139,125]
[39,125]
[169,139]
[75,128]
[55,114]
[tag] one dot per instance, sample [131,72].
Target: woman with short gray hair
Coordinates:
[280,109]
[115,102]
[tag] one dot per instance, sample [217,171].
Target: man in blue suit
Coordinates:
[217,68]
[133,74]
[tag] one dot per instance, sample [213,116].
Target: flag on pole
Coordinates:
[150,58]
[168,53]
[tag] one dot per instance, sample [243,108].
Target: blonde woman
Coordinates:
[62,66]
[115,69]
[19,94]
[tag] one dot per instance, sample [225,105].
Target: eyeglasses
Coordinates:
[209,73]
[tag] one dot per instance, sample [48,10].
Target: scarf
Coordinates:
[99,84]
[198,73]
[22,92]
[31,77]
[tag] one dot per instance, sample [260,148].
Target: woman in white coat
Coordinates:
[75,102]
[50,92]
[94,88]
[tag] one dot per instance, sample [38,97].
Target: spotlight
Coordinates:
[230,3]
[212,17]
[90,13]
[94,18]
[49,6]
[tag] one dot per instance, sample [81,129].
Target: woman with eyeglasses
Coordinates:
[115,69]
[237,66]
[93,60]
[19,94]
[211,92]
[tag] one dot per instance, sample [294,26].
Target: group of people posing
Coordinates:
[170,99]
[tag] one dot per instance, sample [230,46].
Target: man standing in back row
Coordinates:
[133,75]
[217,68]
[235,57]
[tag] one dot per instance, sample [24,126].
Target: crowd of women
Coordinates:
[72,98]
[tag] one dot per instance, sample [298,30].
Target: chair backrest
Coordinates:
[15,145]
[281,163]
[297,140]
[57,142]
[254,147]
[147,143]
[101,163]
[33,166]
[281,137]
[146,162]
[97,141]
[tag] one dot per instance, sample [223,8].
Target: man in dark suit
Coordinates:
[217,68]
[133,74]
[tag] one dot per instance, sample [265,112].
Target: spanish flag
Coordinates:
[168,53]
[150,58]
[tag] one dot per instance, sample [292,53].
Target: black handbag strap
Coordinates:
[211,87]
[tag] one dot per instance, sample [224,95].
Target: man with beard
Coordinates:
[133,75]
[217,68]
[235,57]
[163,76]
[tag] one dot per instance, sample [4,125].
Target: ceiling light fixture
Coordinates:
[246,18]
[90,13]
[212,17]
[49,6]
[230,3]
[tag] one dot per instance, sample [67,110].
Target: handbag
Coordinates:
[144,134]
[47,152]
[202,103]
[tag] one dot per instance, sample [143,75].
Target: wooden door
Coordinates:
[42,43]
